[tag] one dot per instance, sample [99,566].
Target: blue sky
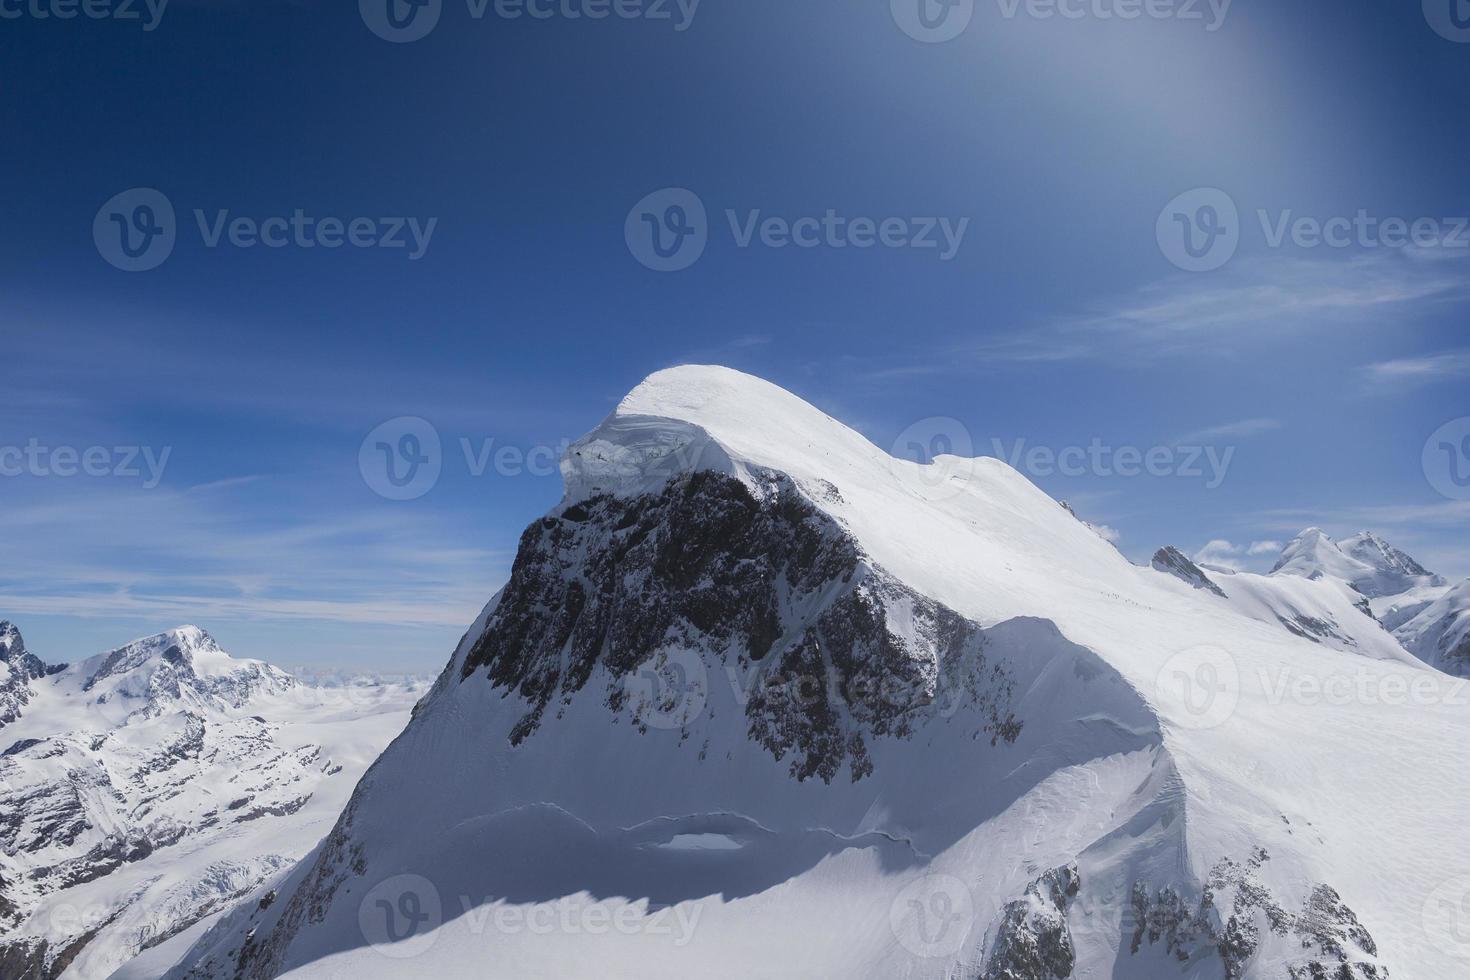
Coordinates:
[1057,143]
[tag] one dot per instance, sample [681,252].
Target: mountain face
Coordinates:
[1416,606]
[759,700]
[19,669]
[1439,634]
[146,789]
[1366,562]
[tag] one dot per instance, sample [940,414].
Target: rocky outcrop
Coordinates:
[19,668]
[768,582]
[1033,941]
[1172,561]
[1236,914]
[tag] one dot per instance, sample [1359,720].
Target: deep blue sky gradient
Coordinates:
[1059,321]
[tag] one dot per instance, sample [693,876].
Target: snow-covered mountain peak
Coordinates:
[869,678]
[19,669]
[1396,571]
[1365,561]
[11,644]
[703,417]
[182,664]
[153,785]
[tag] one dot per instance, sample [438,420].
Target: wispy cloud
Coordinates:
[1220,551]
[210,555]
[1251,295]
[1229,430]
[1442,366]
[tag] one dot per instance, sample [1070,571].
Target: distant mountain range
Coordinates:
[146,789]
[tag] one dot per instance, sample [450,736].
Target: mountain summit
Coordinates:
[761,700]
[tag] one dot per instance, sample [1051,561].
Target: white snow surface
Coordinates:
[229,768]
[1165,730]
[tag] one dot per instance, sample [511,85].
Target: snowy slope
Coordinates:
[762,701]
[1440,633]
[1421,610]
[148,788]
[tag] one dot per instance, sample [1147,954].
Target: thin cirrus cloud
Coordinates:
[1264,296]
[1427,369]
[209,555]
[1241,429]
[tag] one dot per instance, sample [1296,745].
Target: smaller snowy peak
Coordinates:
[18,668]
[1397,572]
[11,645]
[183,663]
[1312,554]
[1440,634]
[1365,561]
[1172,561]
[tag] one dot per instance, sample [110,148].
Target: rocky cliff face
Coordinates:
[19,669]
[763,580]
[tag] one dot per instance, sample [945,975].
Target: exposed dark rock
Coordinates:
[1172,561]
[1336,945]
[710,567]
[1033,941]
